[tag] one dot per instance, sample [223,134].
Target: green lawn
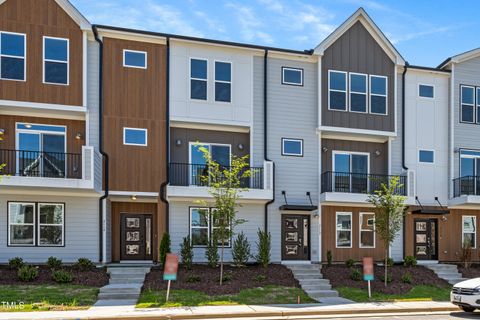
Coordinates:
[48,297]
[416,294]
[265,295]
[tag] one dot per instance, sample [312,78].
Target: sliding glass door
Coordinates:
[469,172]
[350,172]
[221,154]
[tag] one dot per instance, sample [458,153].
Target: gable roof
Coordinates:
[470,54]
[362,16]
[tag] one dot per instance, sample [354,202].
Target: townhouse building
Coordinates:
[102,126]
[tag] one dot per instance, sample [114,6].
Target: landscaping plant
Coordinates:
[241,250]
[350,262]
[27,273]
[263,248]
[211,253]
[355,274]
[16,263]
[390,262]
[407,277]
[84,264]
[410,261]
[186,252]
[193,278]
[62,276]
[54,263]
[466,254]
[164,247]
[329,257]
[389,212]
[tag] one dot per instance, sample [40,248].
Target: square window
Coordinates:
[134,136]
[135,59]
[292,147]
[425,91]
[292,76]
[12,56]
[55,60]
[426,156]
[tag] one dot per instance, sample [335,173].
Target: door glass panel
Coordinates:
[342,172]
[148,236]
[132,249]
[291,236]
[198,165]
[421,226]
[433,236]
[305,234]
[291,250]
[54,155]
[221,155]
[133,236]
[421,250]
[359,173]
[421,238]
[28,154]
[291,223]
[133,222]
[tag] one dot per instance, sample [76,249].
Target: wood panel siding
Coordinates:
[38,18]
[357,51]
[329,236]
[180,154]
[135,98]
[378,164]
[449,234]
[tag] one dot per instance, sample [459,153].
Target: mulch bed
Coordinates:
[97,277]
[472,272]
[339,276]
[251,276]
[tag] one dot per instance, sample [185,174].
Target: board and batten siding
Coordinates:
[293,113]
[81,230]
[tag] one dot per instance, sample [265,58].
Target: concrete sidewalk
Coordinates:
[244,311]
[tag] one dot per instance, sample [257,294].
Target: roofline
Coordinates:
[434,69]
[196,39]
[457,58]
[444,63]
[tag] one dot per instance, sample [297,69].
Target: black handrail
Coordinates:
[364,183]
[466,185]
[41,164]
[185,174]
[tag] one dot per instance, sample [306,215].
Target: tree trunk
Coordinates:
[221,256]
[386,265]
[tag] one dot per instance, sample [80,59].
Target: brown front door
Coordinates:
[136,236]
[425,233]
[295,237]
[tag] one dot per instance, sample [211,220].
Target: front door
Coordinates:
[295,237]
[425,239]
[136,236]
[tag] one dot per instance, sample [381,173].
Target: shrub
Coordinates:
[241,250]
[16,263]
[227,276]
[350,262]
[263,248]
[62,276]
[355,274]
[329,257]
[84,264]
[212,253]
[186,252]
[193,278]
[54,263]
[260,278]
[390,262]
[409,261]
[164,247]
[407,277]
[389,278]
[27,273]
[466,257]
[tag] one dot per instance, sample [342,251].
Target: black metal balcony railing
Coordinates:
[467,185]
[41,164]
[184,174]
[350,182]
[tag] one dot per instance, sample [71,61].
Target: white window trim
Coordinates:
[335,90]
[336,229]
[135,51]
[21,224]
[377,95]
[365,230]
[418,156]
[40,204]
[56,61]
[198,79]
[197,227]
[477,96]
[292,83]
[356,92]
[335,152]
[475,233]
[426,85]
[292,154]
[9,56]
[467,104]
[221,81]
[135,129]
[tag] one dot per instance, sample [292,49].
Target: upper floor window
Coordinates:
[358,92]
[223,81]
[426,156]
[292,76]
[12,56]
[469,163]
[198,79]
[337,90]
[134,136]
[378,94]
[467,98]
[292,147]
[426,91]
[478,103]
[55,60]
[135,59]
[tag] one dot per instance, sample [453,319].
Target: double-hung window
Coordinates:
[367,230]
[337,90]
[12,56]
[478,104]
[204,228]
[467,104]
[55,60]
[343,234]
[378,94]
[469,231]
[223,81]
[358,92]
[198,79]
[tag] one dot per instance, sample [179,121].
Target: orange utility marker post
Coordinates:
[170,271]
[368,273]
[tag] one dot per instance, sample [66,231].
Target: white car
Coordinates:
[466,295]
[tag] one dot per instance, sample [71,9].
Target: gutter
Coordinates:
[405,68]
[102,151]
[163,186]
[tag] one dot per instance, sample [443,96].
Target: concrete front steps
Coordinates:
[448,272]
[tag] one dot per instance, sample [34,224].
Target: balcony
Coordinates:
[186,181]
[50,169]
[466,191]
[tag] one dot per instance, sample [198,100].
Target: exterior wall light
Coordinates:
[78,136]
[240,146]
[378,153]
[324,149]
[134,197]
[178,142]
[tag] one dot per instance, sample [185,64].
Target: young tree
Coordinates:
[389,212]
[225,185]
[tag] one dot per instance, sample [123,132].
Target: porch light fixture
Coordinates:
[378,153]
[324,149]
[240,146]
[78,136]
[444,219]
[134,197]
[28,125]
[178,142]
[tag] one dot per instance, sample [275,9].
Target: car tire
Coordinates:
[467,309]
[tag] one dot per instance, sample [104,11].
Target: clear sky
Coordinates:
[424,31]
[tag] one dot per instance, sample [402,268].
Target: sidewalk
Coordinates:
[245,311]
